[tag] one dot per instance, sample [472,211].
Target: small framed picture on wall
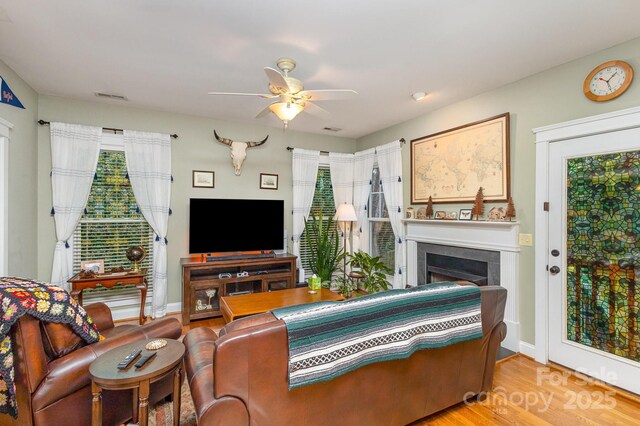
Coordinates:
[203,179]
[268,181]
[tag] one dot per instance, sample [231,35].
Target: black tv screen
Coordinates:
[227,225]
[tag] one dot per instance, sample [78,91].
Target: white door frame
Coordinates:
[598,124]
[5,126]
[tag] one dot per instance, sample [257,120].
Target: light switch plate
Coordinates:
[525,239]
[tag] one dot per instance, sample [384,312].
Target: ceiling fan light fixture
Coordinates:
[418,96]
[286,111]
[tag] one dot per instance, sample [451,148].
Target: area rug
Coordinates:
[162,413]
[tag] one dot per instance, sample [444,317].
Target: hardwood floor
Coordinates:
[528,393]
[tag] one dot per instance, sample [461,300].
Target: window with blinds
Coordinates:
[322,206]
[382,240]
[112,223]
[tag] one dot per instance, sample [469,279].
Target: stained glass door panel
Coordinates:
[603,252]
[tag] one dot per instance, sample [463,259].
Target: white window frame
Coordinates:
[125,298]
[5,127]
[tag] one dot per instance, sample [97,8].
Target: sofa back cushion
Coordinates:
[59,339]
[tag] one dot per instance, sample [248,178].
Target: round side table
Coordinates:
[105,375]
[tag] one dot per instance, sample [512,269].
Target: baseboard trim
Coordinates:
[527,349]
[512,340]
[132,312]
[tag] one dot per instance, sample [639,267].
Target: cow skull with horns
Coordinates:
[238,150]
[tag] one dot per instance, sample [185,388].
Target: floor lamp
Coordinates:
[345,215]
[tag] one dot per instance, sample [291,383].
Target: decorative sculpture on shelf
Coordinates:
[238,150]
[511,210]
[496,214]
[478,205]
[429,211]
[136,254]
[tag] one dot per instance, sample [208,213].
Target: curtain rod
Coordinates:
[109,129]
[289,148]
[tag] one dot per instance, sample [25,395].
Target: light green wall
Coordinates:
[550,97]
[195,149]
[22,234]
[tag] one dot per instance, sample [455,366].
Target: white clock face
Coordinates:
[607,80]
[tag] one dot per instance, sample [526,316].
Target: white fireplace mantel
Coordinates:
[495,236]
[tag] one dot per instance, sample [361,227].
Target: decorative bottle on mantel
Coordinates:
[478,204]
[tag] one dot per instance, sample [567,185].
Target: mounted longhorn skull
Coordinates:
[238,150]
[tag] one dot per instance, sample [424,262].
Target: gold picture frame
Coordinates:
[451,165]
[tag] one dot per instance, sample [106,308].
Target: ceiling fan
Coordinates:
[290,94]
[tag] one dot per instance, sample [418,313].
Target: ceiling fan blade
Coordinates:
[316,110]
[264,112]
[276,79]
[262,95]
[327,95]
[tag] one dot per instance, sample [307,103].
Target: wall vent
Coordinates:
[332,129]
[111,96]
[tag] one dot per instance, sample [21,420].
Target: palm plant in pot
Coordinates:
[372,271]
[325,252]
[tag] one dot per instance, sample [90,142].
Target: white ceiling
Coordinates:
[167,55]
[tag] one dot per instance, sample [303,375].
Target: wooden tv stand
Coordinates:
[205,282]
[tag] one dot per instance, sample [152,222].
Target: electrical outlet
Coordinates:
[525,239]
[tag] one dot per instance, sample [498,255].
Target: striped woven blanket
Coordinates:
[328,339]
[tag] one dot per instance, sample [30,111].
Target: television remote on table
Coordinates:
[127,360]
[145,358]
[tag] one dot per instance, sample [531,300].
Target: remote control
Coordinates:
[126,361]
[145,358]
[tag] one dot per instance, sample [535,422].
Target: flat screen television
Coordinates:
[235,225]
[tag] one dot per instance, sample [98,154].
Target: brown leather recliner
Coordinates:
[241,377]
[53,385]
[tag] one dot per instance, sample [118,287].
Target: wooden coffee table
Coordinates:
[234,307]
[105,375]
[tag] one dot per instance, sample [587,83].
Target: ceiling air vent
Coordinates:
[332,129]
[111,96]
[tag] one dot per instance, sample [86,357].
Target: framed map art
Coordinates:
[450,166]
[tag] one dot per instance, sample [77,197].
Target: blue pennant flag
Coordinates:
[7,96]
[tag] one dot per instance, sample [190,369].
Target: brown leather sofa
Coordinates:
[240,378]
[53,386]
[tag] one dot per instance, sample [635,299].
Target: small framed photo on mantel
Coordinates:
[203,179]
[268,181]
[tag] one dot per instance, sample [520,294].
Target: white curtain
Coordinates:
[148,158]
[341,167]
[362,169]
[390,164]
[74,157]
[305,173]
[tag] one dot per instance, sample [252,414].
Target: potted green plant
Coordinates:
[372,270]
[325,251]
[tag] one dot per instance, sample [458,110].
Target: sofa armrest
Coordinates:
[247,322]
[70,373]
[101,315]
[493,299]
[199,360]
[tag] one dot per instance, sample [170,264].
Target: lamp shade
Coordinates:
[346,213]
[286,111]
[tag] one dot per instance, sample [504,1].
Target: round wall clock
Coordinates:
[608,80]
